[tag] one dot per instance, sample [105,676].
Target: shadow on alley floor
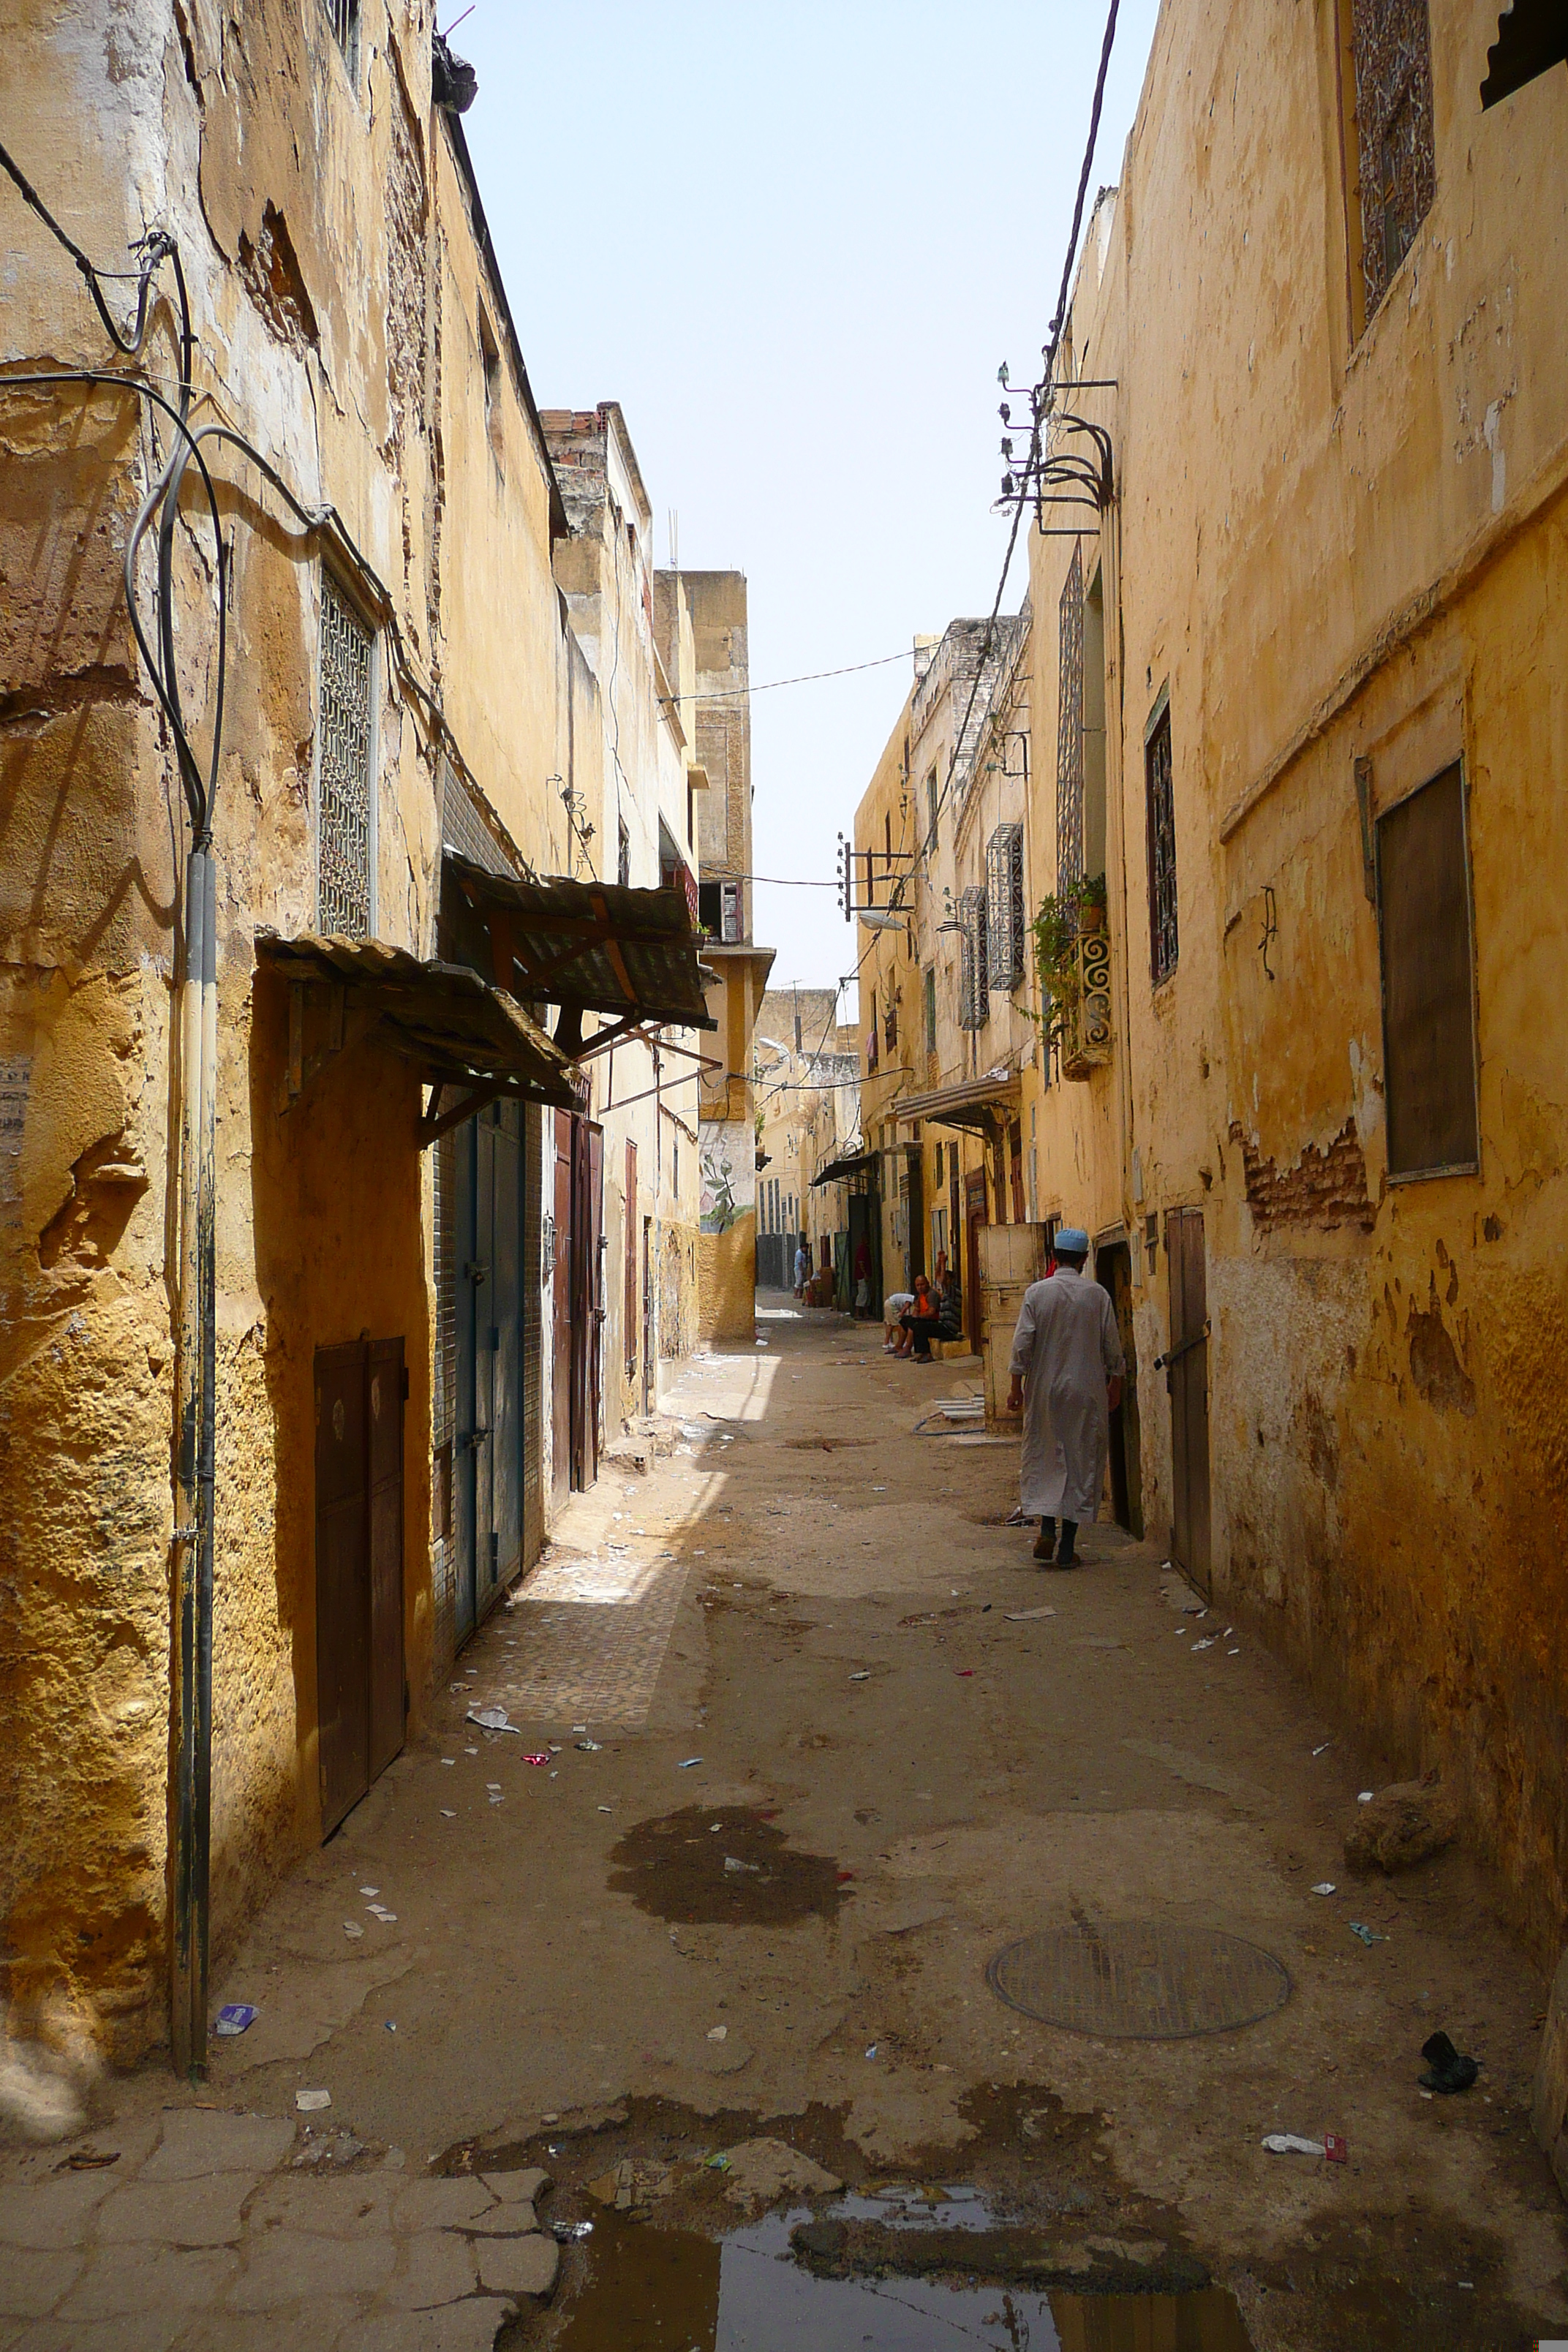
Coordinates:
[802,1742]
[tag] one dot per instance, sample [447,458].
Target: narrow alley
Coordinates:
[799,1741]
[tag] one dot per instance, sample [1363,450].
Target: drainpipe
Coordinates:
[195,1447]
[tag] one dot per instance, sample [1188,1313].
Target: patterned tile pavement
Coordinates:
[592,1636]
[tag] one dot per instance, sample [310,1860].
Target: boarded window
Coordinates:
[1391,50]
[1004,905]
[1162,823]
[342,830]
[1429,998]
[1069,732]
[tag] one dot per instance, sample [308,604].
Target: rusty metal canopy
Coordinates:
[600,946]
[972,1103]
[853,1163]
[458,1029]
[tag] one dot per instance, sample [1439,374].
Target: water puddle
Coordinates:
[648,2289]
[722,1867]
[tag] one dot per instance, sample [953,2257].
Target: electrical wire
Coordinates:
[806,677]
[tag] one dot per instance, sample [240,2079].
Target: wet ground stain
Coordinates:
[723,1867]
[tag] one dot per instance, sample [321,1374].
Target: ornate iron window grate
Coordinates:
[975,987]
[1005,906]
[1391,42]
[343,18]
[342,821]
[1070,733]
[1161,819]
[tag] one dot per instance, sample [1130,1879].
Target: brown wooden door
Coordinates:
[1186,1376]
[342,1581]
[561,1308]
[587,1296]
[359,1398]
[650,1335]
[1113,1271]
[974,1216]
[388,1388]
[631,1299]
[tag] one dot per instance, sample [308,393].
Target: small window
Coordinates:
[931,1022]
[871,1037]
[930,811]
[1162,823]
[1005,906]
[343,18]
[1393,166]
[1429,992]
[891,1025]
[344,787]
[623,854]
[730,912]
[490,360]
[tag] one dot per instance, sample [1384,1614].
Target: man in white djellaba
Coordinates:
[1066,1376]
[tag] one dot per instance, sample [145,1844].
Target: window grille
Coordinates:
[1069,732]
[974,998]
[1005,906]
[1391,46]
[891,1025]
[343,18]
[931,1015]
[1161,821]
[342,821]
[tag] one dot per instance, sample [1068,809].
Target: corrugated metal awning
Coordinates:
[595,946]
[975,1103]
[852,1164]
[459,1031]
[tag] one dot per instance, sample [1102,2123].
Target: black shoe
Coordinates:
[1448,2070]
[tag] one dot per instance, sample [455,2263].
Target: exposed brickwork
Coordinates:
[1323,1188]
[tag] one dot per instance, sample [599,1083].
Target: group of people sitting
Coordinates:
[912,1318]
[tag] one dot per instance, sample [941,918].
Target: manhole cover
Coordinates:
[1139,1980]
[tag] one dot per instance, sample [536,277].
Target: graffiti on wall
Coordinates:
[720,1207]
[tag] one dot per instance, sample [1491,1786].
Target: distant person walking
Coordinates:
[801,1268]
[1065,1377]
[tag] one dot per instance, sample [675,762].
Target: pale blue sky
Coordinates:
[795,244]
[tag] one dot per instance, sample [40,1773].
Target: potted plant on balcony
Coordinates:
[1053,930]
[1091,902]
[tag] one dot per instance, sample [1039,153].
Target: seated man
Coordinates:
[920,1323]
[895,1305]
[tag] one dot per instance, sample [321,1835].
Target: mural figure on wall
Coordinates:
[720,1209]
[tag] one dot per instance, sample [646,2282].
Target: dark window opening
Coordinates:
[1532,37]
[1394,163]
[710,913]
[1428,992]
[930,1018]
[1162,826]
[623,854]
[343,18]
[490,361]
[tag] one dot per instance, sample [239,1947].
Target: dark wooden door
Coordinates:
[560,1308]
[1186,1376]
[505,1338]
[360,1714]
[587,1296]
[342,1581]
[649,1334]
[974,1216]
[631,1298]
[388,1390]
[1113,1271]
[474,1471]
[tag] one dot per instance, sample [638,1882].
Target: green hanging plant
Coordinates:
[1055,934]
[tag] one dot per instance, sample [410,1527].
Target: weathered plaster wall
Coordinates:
[1332,547]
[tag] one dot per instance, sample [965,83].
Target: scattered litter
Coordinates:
[352,1927]
[370,1890]
[590,1747]
[1366,1797]
[1288,2143]
[606,1808]
[732,1863]
[1325,1887]
[566,2233]
[448,1759]
[1023,1616]
[536,1758]
[88,2160]
[687,1763]
[872,2051]
[379,1911]
[1335,2148]
[879,1490]
[447,1814]
[1233,1654]
[718,2033]
[718,2163]
[1369,1935]
[579,1726]
[492,1784]
[470,1751]
[962,1672]
[233,2017]
[390,2027]
[492,1718]
[1206,1643]
[862,1676]
[1448,2070]
[308,2101]
[1324,1748]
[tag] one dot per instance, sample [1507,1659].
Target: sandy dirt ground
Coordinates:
[819,1740]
